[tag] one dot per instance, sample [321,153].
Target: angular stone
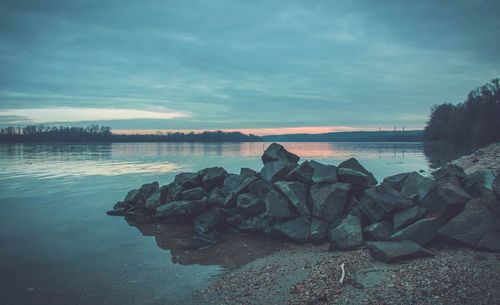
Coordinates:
[139,197]
[369,207]
[395,181]
[250,205]
[354,164]
[302,173]
[323,173]
[391,200]
[274,171]
[277,205]
[319,231]
[260,187]
[188,180]
[181,208]
[173,192]
[329,200]
[347,235]
[449,170]
[209,220]
[358,180]
[212,177]
[422,232]
[395,251]
[452,193]
[260,224]
[408,216]
[276,152]
[476,226]
[246,172]
[117,212]
[380,231]
[231,182]
[216,198]
[230,200]
[297,230]
[476,184]
[196,193]
[416,184]
[296,193]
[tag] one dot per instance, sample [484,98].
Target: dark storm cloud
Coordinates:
[248,64]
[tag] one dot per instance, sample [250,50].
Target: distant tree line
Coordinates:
[96,133]
[476,120]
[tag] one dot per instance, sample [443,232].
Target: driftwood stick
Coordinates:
[343,273]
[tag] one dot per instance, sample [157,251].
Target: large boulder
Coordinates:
[358,180]
[354,164]
[181,208]
[138,198]
[260,224]
[216,198]
[301,173]
[380,231]
[296,229]
[347,235]
[296,193]
[407,216]
[159,197]
[319,230]
[422,232]
[480,182]
[246,172]
[276,152]
[449,170]
[369,207]
[196,193]
[274,171]
[231,182]
[416,184]
[209,220]
[395,181]
[323,173]
[260,187]
[447,199]
[230,200]
[395,251]
[277,205]
[249,204]
[377,202]
[329,200]
[212,177]
[476,226]
[188,180]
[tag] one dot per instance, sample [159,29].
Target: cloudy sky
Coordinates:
[258,66]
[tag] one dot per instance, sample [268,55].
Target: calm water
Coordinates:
[59,247]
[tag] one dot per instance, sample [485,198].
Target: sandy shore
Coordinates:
[311,275]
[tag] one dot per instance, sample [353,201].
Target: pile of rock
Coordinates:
[317,203]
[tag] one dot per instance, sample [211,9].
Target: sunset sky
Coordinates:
[258,66]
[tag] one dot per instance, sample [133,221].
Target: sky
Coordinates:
[263,67]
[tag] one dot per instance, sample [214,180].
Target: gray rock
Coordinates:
[476,184]
[452,193]
[329,200]
[209,220]
[391,200]
[449,170]
[277,205]
[358,180]
[247,172]
[347,235]
[369,206]
[181,208]
[416,184]
[260,224]
[212,177]
[250,205]
[196,193]
[408,216]
[302,173]
[380,231]
[354,164]
[173,192]
[188,180]
[276,152]
[231,182]
[216,198]
[117,212]
[422,232]
[274,171]
[296,193]
[297,230]
[476,226]
[319,231]
[230,200]
[323,173]
[447,199]
[260,188]
[395,181]
[391,251]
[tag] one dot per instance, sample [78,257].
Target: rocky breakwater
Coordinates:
[343,205]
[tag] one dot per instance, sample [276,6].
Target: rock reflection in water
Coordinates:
[235,250]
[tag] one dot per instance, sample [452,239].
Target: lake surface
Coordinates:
[59,247]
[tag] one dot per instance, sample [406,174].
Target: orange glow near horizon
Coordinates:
[255,131]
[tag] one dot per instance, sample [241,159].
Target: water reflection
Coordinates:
[235,250]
